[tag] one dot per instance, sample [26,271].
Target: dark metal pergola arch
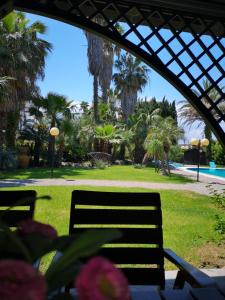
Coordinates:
[184,62]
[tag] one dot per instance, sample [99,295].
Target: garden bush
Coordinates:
[100,164]
[218,153]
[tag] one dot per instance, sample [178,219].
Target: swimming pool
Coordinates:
[208,171]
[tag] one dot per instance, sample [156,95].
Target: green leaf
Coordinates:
[86,245]
[65,277]
[37,244]
[16,241]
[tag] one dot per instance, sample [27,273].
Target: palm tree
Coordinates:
[94,53]
[106,136]
[67,130]
[22,57]
[56,107]
[36,132]
[154,148]
[3,93]
[190,116]
[106,70]
[165,132]
[132,76]
[139,123]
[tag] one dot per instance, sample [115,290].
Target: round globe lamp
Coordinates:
[204,143]
[194,142]
[54,132]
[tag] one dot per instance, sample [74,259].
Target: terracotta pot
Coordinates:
[23,160]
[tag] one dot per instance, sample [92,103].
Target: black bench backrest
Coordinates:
[139,252]
[24,202]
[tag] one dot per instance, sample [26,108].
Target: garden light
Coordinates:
[199,143]
[54,132]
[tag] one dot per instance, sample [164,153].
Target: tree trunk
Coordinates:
[208,135]
[95,99]
[3,127]
[12,125]
[59,155]
[167,163]
[128,102]
[139,153]
[164,165]
[122,152]
[37,149]
[51,141]
[104,95]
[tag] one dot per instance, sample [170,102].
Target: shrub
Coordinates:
[220,225]
[100,164]
[218,198]
[176,153]
[138,166]
[8,160]
[218,153]
[87,164]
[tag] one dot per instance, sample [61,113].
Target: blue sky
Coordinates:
[66,68]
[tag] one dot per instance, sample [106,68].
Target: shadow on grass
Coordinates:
[40,173]
[112,173]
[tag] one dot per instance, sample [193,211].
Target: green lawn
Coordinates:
[188,217]
[125,173]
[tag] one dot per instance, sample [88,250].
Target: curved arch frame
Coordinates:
[70,12]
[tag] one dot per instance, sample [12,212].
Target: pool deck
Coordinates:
[205,178]
[207,175]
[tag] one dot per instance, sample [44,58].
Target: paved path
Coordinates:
[195,187]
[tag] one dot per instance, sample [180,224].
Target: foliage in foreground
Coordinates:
[21,250]
[218,198]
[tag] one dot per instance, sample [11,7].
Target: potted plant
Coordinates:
[24,157]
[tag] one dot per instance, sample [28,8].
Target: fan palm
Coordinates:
[22,57]
[132,76]
[106,135]
[67,130]
[166,132]
[56,107]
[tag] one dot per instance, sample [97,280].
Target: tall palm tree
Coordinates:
[3,93]
[189,115]
[94,53]
[132,76]
[106,70]
[22,57]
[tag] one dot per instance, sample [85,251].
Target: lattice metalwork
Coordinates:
[186,49]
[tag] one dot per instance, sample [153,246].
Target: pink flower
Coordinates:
[29,226]
[99,279]
[20,281]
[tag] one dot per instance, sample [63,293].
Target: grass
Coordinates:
[188,217]
[125,173]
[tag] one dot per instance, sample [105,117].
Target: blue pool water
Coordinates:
[214,172]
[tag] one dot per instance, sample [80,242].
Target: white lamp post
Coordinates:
[54,132]
[199,144]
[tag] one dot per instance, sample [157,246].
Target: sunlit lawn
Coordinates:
[125,173]
[188,217]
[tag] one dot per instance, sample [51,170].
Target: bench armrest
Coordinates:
[192,275]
